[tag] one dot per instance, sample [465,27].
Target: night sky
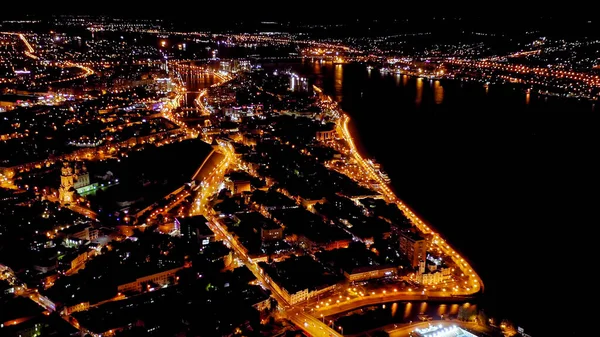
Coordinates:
[505,12]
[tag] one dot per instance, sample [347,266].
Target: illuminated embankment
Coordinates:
[474,284]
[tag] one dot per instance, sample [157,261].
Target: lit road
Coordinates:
[21,289]
[87,71]
[29,52]
[352,297]
[209,187]
[74,207]
[198,101]
[474,284]
[312,325]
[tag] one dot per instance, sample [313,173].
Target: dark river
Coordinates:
[505,176]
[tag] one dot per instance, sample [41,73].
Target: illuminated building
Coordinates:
[74,178]
[324,135]
[237,186]
[82,177]
[430,274]
[225,66]
[161,278]
[66,191]
[271,231]
[413,246]
[195,229]
[370,272]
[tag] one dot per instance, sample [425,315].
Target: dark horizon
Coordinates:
[355,23]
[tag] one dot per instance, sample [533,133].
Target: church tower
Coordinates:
[66,190]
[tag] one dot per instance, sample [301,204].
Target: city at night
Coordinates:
[176,170]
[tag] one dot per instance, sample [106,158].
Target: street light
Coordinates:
[341,329]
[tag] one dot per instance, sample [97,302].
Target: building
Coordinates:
[66,191]
[325,135]
[432,271]
[370,272]
[314,243]
[270,231]
[245,65]
[433,277]
[73,178]
[237,186]
[82,179]
[305,294]
[161,278]
[225,66]
[73,261]
[83,306]
[27,327]
[195,230]
[45,264]
[263,305]
[81,231]
[413,246]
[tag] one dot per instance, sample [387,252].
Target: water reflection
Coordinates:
[441,311]
[338,75]
[193,83]
[317,66]
[407,310]
[454,309]
[394,308]
[376,316]
[527,98]
[438,92]
[404,80]
[419,94]
[423,308]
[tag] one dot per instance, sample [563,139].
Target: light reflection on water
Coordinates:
[410,310]
[372,317]
[419,95]
[407,310]
[438,92]
[338,77]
